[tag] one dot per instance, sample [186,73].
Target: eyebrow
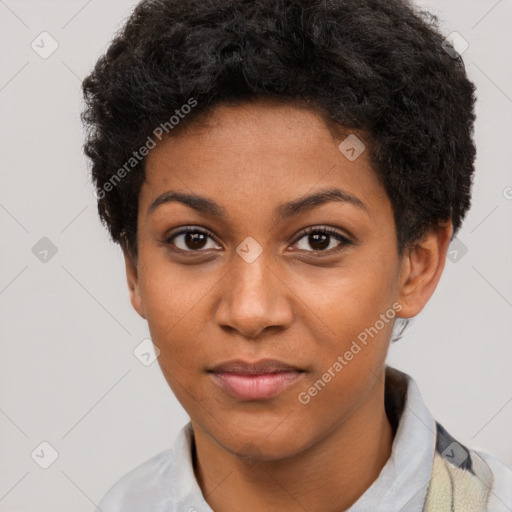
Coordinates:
[286,210]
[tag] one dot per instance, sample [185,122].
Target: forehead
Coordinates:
[261,153]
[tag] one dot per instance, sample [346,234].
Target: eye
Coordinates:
[191,239]
[322,239]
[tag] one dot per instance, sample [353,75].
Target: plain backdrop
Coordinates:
[68,373]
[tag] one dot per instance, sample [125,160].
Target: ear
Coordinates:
[132,278]
[422,266]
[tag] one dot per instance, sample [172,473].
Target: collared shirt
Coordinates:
[166,482]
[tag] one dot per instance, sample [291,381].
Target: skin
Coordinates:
[295,302]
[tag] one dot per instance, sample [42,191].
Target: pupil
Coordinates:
[194,240]
[319,241]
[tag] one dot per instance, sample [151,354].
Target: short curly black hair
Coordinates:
[378,66]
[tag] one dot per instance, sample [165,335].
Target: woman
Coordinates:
[284,179]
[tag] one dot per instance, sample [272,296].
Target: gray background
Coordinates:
[68,373]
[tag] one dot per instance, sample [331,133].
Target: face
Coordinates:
[290,256]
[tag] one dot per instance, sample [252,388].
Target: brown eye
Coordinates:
[322,240]
[191,240]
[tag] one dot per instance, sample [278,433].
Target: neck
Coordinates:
[330,476]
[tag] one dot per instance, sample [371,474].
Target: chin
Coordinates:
[263,440]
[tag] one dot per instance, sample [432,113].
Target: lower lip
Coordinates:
[256,387]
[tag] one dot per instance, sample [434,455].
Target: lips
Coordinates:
[262,367]
[260,380]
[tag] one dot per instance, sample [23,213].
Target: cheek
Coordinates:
[173,300]
[172,310]
[349,349]
[170,292]
[350,315]
[345,301]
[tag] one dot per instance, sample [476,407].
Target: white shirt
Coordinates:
[166,482]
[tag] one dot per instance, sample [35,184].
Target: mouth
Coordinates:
[261,380]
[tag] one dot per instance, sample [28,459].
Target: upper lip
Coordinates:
[261,367]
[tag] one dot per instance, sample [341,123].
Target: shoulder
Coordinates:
[467,479]
[500,496]
[143,489]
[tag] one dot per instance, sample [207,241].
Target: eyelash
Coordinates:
[326,230]
[344,241]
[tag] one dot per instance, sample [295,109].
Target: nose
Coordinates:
[254,297]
